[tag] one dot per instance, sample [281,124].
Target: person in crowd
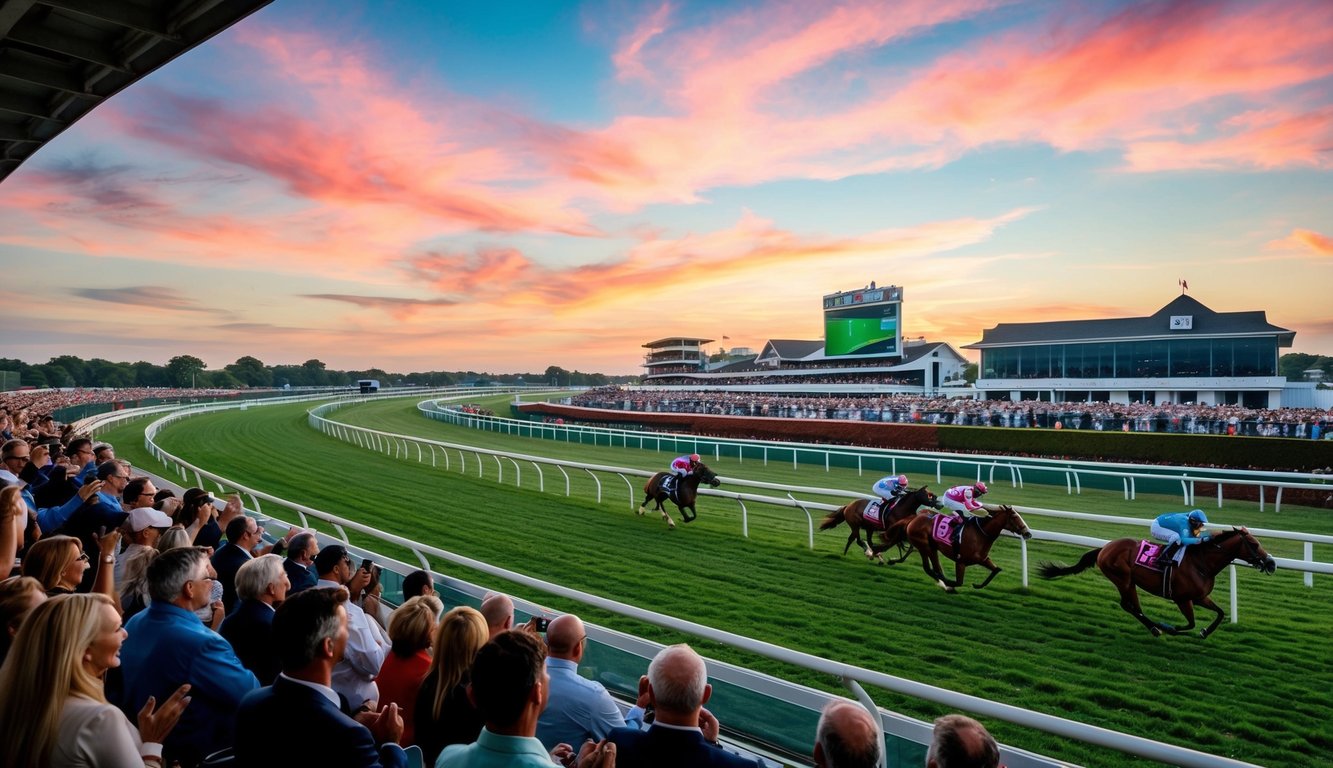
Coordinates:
[261,586]
[103,452]
[146,526]
[173,538]
[214,612]
[59,563]
[1179,530]
[683,732]
[417,583]
[579,709]
[15,456]
[847,737]
[244,533]
[444,715]
[958,741]
[890,487]
[509,688]
[301,551]
[498,610]
[18,596]
[133,587]
[13,522]
[367,644]
[683,466]
[81,456]
[169,647]
[199,514]
[310,631]
[411,628]
[54,709]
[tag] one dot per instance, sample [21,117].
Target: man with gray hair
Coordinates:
[961,742]
[261,586]
[847,737]
[301,551]
[168,647]
[683,732]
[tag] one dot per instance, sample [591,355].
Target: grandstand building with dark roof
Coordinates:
[1183,353]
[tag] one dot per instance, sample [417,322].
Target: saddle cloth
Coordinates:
[942,529]
[871,515]
[1146,555]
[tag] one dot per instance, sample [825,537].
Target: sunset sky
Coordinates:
[506,186]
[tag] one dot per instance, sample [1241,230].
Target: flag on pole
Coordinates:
[1184,286]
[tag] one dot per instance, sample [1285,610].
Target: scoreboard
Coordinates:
[863,322]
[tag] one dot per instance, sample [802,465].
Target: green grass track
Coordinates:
[1256,691]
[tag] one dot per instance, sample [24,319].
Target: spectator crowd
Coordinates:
[142,627]
[1300,423]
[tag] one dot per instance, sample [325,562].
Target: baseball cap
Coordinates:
[147,517]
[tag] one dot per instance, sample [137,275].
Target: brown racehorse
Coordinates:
[687,490]
[902,507]
[979,534]
[1191,581]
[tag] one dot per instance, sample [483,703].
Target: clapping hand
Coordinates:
[601,754]
[154,725]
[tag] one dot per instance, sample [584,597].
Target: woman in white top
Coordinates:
[54,711]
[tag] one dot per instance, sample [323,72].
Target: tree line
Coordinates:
[188,371]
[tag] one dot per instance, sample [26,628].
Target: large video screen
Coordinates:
[864,330]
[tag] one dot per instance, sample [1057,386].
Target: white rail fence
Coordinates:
[854,678]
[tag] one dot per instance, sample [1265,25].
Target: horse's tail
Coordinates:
[1049,570]
[834,518]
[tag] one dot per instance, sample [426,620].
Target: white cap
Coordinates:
[147,517]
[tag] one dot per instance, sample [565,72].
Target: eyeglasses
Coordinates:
[24,459]
[82,556]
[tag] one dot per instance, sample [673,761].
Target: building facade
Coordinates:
[1183,353]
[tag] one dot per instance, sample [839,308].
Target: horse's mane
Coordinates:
[1224,535]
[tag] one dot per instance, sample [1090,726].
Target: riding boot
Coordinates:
[958,533]
[1167,555]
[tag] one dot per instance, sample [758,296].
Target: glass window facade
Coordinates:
[1157,359]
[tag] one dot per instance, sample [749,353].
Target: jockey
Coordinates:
[962,500]
[681,466]
[1179,530]
[891,487]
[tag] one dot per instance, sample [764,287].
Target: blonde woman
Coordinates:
[443,714]
[411,628]
[17,596]
[54,710]
[58,562]
[13,521]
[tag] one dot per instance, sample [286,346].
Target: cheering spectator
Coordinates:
[54,710]
[261,585]
[411,628]
[243,535]
[444,714]
[18,596]
[367,645]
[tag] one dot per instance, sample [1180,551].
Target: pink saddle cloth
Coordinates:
[1147,555]
[942,528]
[871,515]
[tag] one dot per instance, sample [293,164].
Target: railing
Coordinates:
[1125,476]
[854,678]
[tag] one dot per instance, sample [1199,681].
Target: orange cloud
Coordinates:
[1305,239]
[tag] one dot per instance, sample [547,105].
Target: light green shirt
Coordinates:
[492,750]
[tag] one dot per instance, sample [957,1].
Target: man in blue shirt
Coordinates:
[579,709]
[168,646]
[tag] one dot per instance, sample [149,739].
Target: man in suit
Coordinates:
[847,737]
[310,632]
[301,551]
[683,732]
[243,535]
[261,585]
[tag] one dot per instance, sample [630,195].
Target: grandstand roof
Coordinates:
[59,59]
[790,349]
[676,341]
[1205,323]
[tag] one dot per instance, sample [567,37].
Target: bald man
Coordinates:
[683,732]
[847,737]
[961,742]
[579,709]
[498,610]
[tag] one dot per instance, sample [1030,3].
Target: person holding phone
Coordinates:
[367,642]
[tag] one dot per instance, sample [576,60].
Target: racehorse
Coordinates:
[684,494]
[1190,582]
[902,507]
[979,534]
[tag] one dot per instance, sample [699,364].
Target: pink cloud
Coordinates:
[1305,239]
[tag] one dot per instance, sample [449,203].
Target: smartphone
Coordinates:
[540,623]
[367,565]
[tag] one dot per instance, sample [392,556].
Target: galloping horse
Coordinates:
[979,534]
[901,508]
[686,491]
[1190,582]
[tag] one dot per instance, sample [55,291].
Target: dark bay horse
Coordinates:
[902,507]
[1190,582]
[979,535]
[686,491]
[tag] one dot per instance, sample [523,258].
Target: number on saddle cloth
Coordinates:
[1147,553]
[942,528]
[871,515]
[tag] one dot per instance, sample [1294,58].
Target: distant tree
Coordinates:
[250,371]
[970,373]
[223,379]
[315,373]
[182,370]
[149,375]
[104,373]
[1294,365]
[55,376]
[75,367]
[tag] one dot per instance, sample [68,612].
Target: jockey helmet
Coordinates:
[694,457]
[980,488]
[1197,517]
[902,480]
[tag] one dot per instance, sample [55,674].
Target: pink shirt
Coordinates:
[962,494]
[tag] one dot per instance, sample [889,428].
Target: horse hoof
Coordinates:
[642,511]
[1155,631]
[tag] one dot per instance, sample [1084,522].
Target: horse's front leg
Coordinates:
[687,513]
[989,565]
[1207,602]
[643,508]
[1187,609]
[667,517]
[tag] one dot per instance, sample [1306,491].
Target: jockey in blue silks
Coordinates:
[1179,530]
[891,487]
